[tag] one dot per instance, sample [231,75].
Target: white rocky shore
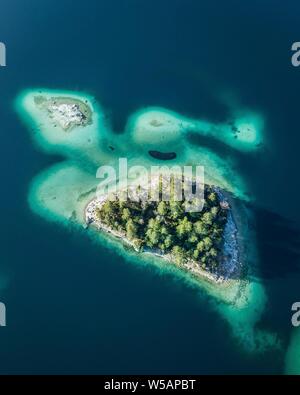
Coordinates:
[66,114]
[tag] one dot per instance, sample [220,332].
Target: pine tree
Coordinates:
[131,229]
[162,208]
[126,214]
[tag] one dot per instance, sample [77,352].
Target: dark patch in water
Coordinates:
[279,244]
[162,155]
[211,143]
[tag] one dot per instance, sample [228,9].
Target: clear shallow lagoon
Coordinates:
[76,308]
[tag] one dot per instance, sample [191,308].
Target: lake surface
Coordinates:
[75,307]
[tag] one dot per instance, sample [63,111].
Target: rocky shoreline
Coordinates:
[232,265]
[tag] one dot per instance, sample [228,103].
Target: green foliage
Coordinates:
[179,254]
[125,214]
[131,229]
[212,197]
[183,228]
[152,237]
[207,218]
[169,242]
[200,228]
[176,209]
[196,254]
[162,208]
[201,246]
[168,227]
[192,238]
[207,243]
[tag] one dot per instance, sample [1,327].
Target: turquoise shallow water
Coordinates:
[73,307]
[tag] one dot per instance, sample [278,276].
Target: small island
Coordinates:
[198,242]
[64,111]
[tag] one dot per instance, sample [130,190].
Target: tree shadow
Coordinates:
[278,241]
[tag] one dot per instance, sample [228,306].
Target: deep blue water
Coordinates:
[73,307]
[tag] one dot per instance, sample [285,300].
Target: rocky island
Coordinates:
[65,112]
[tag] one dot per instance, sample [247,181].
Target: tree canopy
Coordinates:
[166,226]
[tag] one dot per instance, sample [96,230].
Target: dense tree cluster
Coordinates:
[166,226]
